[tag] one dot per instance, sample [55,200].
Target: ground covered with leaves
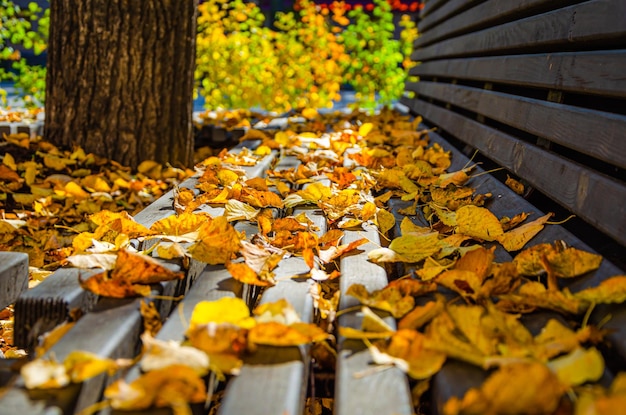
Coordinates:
[453,302]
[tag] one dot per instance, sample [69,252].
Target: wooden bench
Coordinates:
[537,88]
[484,85]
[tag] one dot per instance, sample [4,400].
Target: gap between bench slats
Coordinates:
[597,72]
[596,198]
[592,21]
[594,133]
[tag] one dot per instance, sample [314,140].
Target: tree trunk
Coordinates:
[120,78]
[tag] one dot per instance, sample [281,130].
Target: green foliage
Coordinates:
[378,63]
[243,63]
[26,29]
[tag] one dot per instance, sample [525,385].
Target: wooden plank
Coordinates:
[385,392]
[13,276]
[430,7]
[282,371]
[445,13]
[491,12]
[591,21]
[598,73]
[595,198]
[49,304]
[597,134]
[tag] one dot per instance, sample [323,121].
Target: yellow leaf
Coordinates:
[81,365]
[75,190]
[175,386]
[414,248]
[611,290]
[515,239]
[515,388]
[578,367]
[388,299]
[478,222]
[225,310]
[385,220]
[218,243]
[365,129]
[407,350]
[9,161]
[237,210]
[277,334]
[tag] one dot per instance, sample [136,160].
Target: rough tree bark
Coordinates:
[120,78]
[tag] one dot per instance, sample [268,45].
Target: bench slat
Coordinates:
[590,21]
[13,276]
[385,392]
[491,12]
[598,72]
[596,198]
[595,133]
[435,12]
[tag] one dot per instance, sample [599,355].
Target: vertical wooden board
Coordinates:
[43,307]
[13,276]
[377,392]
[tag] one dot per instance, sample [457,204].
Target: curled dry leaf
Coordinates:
[175,386]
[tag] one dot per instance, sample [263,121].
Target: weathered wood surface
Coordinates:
[13,276]
[489,13]
[591,21]
[595,197]
[595,133]
[593,72]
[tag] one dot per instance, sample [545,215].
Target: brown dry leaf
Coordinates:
[388,299]
[141,269]
[514,185]
[515,239]
[332,253]
[611,290]
[478,222]
[277,334]
[407,349]
[422,315]
[466,283]
[102,284]
[598,401]
[517,388]
[151,317]
[218,242]
[262,199]
[81,365]
[479,261]
[174,387]
[182,224]
[117,223]
[532,295]
[563,262]
[242,272]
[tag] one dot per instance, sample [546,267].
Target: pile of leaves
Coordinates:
[455,302]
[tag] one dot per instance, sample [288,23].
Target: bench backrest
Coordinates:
[537,86]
